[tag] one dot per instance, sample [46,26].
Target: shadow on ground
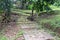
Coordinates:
[14,17]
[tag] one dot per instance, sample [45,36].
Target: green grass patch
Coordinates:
[3,37]
[20,33]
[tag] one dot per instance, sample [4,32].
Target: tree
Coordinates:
[41,5]
[32,14]
[6,6]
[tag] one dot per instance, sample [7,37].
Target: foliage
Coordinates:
[30,7]
[1,6]
[5,5]
[6,8]
[57,3]
[42,5]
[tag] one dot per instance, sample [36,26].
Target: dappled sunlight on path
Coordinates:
[32,31]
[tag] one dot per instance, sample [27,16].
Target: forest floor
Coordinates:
[24,29]
[30,30]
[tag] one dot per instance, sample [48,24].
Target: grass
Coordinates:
[54,21]
[2,37]
[20,33]
[55,35]
[23,12]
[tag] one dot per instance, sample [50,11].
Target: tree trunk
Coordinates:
[32,17]
[32,11]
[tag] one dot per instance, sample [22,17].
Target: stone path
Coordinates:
[36,35]
[31,32]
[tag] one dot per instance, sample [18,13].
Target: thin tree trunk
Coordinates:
[32,17]
[32,11]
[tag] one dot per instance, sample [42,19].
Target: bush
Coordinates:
[30,6]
